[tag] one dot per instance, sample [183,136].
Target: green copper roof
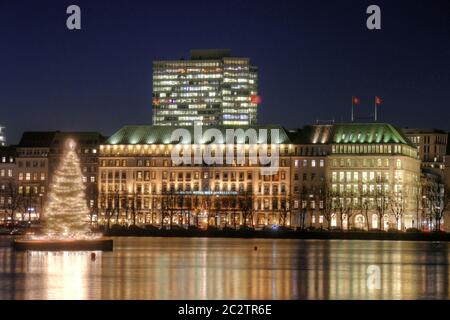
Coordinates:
[356,133]
[164,134]
[343,133]
[349,133]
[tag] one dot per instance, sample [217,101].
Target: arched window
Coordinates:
[374,221]
[333,220]
[359,221]
[344,221]
[385,222]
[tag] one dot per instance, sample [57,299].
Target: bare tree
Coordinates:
[246,207]
[303,199]
[132,204]
[381,199]
[232,203]
[167,207]
[344,207]
[418,201]
[14,200]
[116,205]
[283,211]
[93,195]
[210,211]
[325,196]
[397,204]
[365,207]
[438,196]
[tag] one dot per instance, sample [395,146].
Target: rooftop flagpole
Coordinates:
[352,109]
[355,100]
[377,102]
[376,116]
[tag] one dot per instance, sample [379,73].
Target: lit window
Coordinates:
[334,177]
[322,162]
[313,163]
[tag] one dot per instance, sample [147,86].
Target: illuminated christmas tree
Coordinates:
[66,214]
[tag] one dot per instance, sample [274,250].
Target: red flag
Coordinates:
[256,99]
[377,100]
[355,100]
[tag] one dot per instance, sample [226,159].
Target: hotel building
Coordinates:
[363,176]
[211,88]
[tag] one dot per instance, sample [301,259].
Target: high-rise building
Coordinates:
[2,136]
[212,88]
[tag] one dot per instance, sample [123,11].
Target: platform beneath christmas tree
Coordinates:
[64,245]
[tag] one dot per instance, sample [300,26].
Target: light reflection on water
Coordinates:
[196,268]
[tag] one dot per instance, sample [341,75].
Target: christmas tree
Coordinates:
[66,214]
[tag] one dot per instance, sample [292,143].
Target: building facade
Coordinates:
[211,88]
[8,184]
[431,145]
[349,176]
[2,137]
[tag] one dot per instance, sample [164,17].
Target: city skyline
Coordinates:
[206,153]
[104,70]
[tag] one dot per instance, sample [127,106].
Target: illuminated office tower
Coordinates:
[212,88]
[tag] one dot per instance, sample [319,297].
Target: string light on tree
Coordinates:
[66,214]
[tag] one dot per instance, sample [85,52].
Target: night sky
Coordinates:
[312,57]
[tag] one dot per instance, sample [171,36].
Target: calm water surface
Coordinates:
[200,268]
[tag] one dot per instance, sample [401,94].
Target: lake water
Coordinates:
[201,268]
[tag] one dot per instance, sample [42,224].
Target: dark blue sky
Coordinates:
[313,56]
